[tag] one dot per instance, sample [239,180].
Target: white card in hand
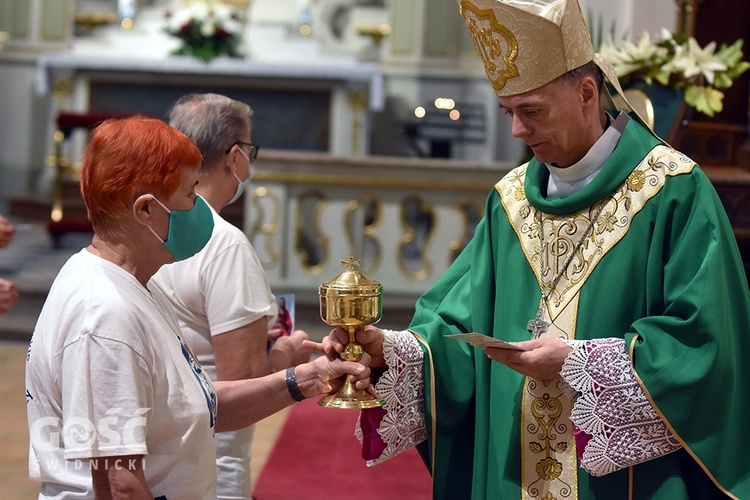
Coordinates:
[483,341]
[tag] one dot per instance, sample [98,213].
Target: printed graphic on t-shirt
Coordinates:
[205,383]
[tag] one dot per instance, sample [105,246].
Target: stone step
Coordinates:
[32,263]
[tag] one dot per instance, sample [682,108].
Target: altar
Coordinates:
[303,98]
[316,107]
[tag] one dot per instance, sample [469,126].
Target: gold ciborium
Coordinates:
[350,301]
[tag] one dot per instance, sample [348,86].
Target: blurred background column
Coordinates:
[31,27]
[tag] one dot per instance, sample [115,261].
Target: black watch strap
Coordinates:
[291,384]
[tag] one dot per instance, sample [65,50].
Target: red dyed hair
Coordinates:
[126,158]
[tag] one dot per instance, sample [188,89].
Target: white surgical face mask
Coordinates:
[242,184]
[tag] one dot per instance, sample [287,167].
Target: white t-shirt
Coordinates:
[106,376]
[221,288]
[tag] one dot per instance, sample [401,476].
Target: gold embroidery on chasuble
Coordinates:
[549,460]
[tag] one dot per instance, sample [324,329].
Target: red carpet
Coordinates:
[317,456]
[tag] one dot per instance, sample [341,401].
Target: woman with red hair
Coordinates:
[117,405]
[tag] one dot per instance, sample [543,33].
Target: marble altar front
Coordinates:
[406,219]
[318,107]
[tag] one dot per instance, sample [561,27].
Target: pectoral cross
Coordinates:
[537,326]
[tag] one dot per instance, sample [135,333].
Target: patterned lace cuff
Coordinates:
[401,388]
[613,409]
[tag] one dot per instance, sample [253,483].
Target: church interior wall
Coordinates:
[427,57]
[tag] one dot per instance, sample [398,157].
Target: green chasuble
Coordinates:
[660,269]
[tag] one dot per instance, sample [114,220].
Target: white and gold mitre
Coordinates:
[525,44]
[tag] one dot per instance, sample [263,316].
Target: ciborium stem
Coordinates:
[353,350]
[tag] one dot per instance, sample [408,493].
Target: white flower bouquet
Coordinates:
[207,29]
[677,60]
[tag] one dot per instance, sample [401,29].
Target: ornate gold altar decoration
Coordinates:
[311,242]
[376,32]
[470,211]
[244,4]
[89,21]
[361,223]
[418,221]
[266,225]
[357,100]
[351,301]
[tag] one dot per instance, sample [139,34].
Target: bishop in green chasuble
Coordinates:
[636,270]
[659,268]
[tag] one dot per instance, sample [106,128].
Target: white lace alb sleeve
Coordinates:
[401,388]
[612,407]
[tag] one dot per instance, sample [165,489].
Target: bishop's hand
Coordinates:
[369,337]
[542,359]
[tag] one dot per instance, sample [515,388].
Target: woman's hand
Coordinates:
[290,350]
[325,374]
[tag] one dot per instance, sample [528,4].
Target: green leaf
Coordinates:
[662,77]
[722,80]
[738,69]
[730,54]
[680,37]
[706,100]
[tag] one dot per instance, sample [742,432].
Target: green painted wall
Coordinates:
[14,17]
[56,18]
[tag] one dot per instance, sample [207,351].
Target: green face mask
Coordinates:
[189,230]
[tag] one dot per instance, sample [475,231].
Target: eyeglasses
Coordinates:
[251,155]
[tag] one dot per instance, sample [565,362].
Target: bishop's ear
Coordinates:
[589,91]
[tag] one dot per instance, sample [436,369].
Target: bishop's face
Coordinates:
[551,121]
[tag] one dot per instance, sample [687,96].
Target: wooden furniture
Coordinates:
[733,186]
[68,213]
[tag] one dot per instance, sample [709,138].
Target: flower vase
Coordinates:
[207,50]
[667,103]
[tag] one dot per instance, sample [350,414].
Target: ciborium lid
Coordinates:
[351,283]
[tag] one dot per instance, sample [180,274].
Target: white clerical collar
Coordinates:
[566,181]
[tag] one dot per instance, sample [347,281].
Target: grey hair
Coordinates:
[213,122]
